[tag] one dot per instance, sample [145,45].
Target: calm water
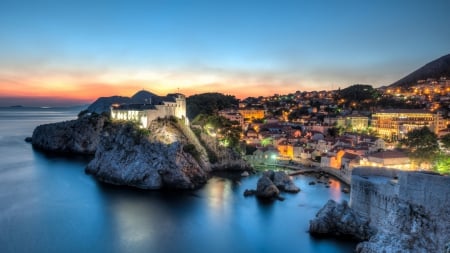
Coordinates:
[48,204]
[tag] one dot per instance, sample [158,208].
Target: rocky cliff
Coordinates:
[168,154]
[160,157]
[340,220]
[224,158]
[79,136]
[410,211]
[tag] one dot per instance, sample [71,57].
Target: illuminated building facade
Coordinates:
[251,114]
[155,107]
[394,124]
[357,122]
[232,115]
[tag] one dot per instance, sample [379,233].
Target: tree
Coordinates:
[208,103]
[423,145]
[359,96]
[446,141]
[442,164]
[221,128]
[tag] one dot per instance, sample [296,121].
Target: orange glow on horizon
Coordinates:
[88,85]
[91,91]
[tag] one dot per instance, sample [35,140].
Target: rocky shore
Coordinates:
[166,155]
[391,211]
[80,136]
[339,220]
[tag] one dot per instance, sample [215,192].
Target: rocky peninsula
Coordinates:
[161,156]
[167,154]
[391,211]
[80,136]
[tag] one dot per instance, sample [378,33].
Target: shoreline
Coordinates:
[303,169]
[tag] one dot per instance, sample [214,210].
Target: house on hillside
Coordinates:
[388,159]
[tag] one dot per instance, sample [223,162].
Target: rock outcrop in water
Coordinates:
[160,157]
[282,181]
[80,136]
[265,188]
[339,220]
[271,184]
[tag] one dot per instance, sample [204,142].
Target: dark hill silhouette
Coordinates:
[103,104]
[435,69]
[145,97]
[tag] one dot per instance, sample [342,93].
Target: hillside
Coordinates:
[103,104]
[435,69]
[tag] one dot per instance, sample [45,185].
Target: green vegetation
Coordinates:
[446,141]
[423,145]
[358,96]
[208,103]
[212,157]
[144,132]
[226,133]
[442,164]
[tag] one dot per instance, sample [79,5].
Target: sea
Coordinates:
[49,204]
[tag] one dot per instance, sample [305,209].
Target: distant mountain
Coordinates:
[145,97]
[434,69]
[103,104]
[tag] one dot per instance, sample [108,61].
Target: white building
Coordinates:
[154,107]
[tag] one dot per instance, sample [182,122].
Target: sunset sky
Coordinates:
[71,52]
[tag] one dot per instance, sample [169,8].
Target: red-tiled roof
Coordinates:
[388,154]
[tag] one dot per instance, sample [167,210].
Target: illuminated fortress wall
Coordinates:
[146,113]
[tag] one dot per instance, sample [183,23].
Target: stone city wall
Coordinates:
[377,191]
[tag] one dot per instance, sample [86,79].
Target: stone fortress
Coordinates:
[408,209]
[144,107]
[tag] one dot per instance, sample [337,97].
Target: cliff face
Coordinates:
[153,159]
[340,220]
[411,210]
[79,136]
[226,158]
[168,154]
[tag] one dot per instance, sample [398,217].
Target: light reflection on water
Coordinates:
[219,200]
[335,189]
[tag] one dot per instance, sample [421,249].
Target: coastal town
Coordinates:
[322,129]
[334,131]
[225,126]
[393,160]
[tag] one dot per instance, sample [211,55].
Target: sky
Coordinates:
[72,52]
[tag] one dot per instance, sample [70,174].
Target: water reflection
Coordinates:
[219,197]
[335,189]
